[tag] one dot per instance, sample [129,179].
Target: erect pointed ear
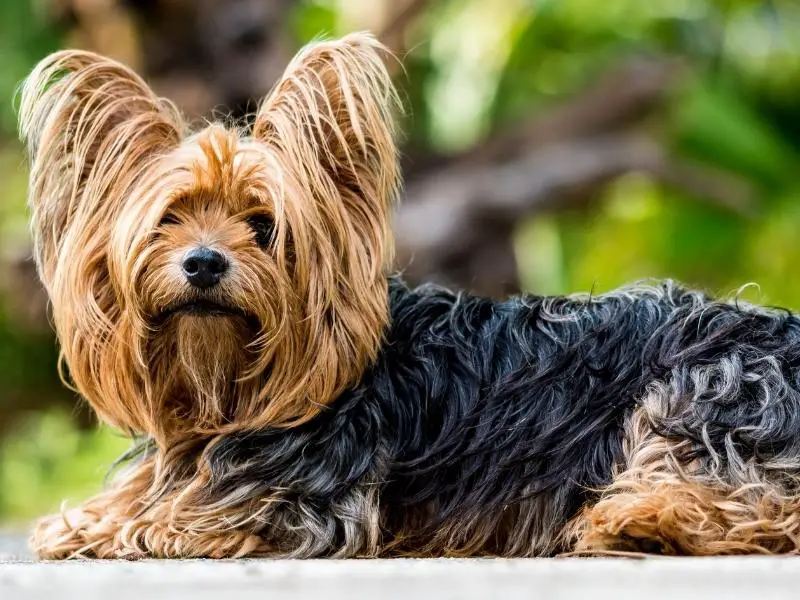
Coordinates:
[92,128]
[89,124]
[329,122]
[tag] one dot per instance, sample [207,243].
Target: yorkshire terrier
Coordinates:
[226,298]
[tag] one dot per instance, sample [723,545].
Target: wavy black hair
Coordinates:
[500,427]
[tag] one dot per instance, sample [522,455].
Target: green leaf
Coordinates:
[714,123]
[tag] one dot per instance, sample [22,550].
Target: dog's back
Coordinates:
[496,427]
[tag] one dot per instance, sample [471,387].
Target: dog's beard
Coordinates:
[201,359]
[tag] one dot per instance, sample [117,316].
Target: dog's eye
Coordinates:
[168,219]
[263,228]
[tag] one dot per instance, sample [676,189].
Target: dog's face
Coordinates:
[205,262]
[224,279]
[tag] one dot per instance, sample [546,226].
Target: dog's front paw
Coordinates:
[76,533]
[173,540]
[80,533]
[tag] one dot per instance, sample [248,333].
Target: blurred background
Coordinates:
[550,146]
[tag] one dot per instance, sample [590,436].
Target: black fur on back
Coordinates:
[476,406]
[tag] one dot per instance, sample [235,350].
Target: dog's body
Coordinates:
[485,428]
[227,297]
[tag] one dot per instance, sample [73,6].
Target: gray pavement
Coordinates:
[560,579]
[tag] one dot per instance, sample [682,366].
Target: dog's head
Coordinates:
[222,279]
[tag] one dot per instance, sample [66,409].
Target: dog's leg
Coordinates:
[121,523]
[661,516]
[92,529]
[660,504]
[133,519]
[665,515]
[87,533]
[80,532]
[186,527]
[190,523]
[136,519]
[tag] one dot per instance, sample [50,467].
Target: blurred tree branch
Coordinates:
[617,100]
[394,34]
[204,55]
[449,215]
[459,211]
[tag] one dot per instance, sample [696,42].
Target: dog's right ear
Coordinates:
[90,125]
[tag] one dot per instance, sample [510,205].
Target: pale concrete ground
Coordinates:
[753,578]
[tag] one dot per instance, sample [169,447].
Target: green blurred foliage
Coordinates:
[477,66]
[23,38]
[48,461]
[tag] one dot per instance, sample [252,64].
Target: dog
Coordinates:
[226,297]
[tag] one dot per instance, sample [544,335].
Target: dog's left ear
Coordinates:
[330,123]
[91,127]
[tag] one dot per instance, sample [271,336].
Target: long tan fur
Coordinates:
[109,160]
[92,128]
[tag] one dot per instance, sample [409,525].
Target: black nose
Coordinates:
[204,267]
